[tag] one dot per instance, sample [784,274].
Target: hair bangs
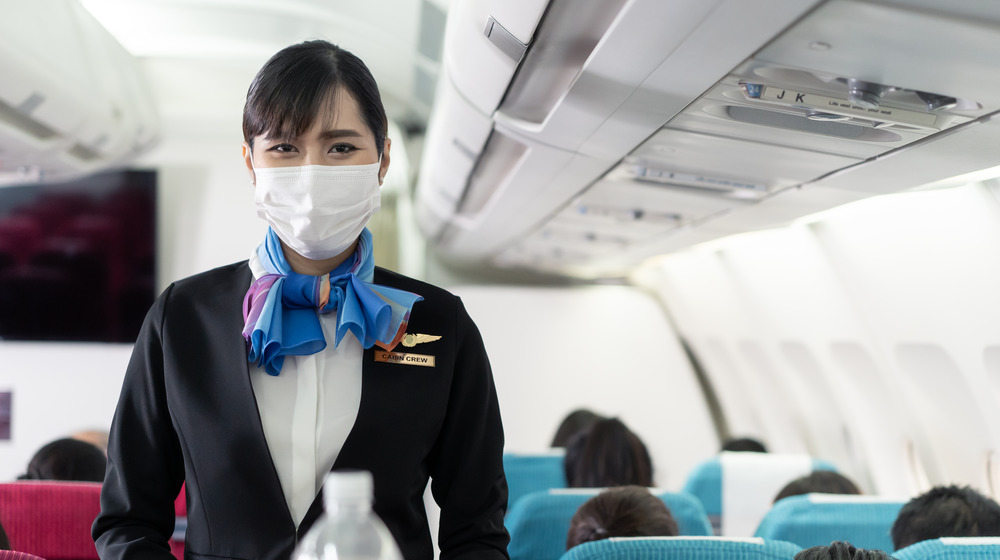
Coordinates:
[284,105]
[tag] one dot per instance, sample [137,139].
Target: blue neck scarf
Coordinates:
[281,309]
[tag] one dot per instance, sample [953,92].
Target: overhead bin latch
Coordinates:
[504,40]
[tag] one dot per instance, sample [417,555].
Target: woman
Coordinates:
[340,365]
[622,511]
[67,459]
[607,454]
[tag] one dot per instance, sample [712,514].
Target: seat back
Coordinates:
[819,519]
[682,548]
[952,548]
[738,488]
[532,472]
[539,522]
[51,519]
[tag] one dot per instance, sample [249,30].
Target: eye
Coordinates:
[282,148]
[342,149]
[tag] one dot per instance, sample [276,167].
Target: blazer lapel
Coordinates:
[243,404]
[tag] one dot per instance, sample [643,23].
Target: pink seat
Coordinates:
[51,519]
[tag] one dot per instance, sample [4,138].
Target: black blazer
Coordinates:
[187,413]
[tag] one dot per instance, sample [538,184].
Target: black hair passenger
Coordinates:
[946,511]
[608,454]
[822,482]
[841,550]
[288,91]
[67,459]
[574,422]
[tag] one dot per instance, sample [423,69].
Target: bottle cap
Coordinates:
[348,485]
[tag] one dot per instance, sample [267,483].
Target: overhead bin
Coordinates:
[457,133]
[484,41]
[718,117]
[72,100]
[525,183]
[640,73]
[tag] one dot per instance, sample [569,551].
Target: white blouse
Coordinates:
[308,411]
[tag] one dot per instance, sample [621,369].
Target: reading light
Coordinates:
[865,94]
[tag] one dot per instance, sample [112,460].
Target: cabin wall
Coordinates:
[867,337]
[206,218]
[606,348]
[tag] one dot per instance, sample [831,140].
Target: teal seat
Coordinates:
[532,472]
[682,548]
[952,548]
[538,522]
[819,519]
[705,483]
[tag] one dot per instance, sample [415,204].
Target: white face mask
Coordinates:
[318,210]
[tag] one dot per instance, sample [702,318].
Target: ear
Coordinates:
[385,162]
[248,161]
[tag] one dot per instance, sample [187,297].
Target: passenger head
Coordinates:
[946,511]
[841,550]
[99,438]
[743,444]
[309,81]
[67,459]
[576,421]
[608,454]
[823,482]
[624,511]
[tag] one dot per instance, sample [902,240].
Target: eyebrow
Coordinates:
[341,133]
[326,135]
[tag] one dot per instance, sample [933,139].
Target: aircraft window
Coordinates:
[946,405]
[742,414]
[879,423]
[782,410]
[819,403]
[993,473]
[991,357]
[917,471]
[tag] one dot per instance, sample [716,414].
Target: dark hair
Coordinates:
[608,454]
[67,459]
[4,541]
[286,94]
[841,550]
[823,482]
[579,419]
[744,444]
[624,511]
[946,511]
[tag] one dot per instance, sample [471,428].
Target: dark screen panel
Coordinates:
[77,259]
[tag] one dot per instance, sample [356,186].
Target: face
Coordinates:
[338,136]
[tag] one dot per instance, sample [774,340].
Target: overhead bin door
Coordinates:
[456,135]
[481,49]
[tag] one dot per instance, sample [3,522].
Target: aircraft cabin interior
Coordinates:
[776,219]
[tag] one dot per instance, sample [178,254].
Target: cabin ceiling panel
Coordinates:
[932,50]
[766,166]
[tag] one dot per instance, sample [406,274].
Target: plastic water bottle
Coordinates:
[348,529]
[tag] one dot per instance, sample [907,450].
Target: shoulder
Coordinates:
[440,309]
[231,276]
[430,292]
[217,289]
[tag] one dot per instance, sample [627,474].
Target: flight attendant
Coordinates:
[252,381]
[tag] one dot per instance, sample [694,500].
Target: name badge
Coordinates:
[401,358]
